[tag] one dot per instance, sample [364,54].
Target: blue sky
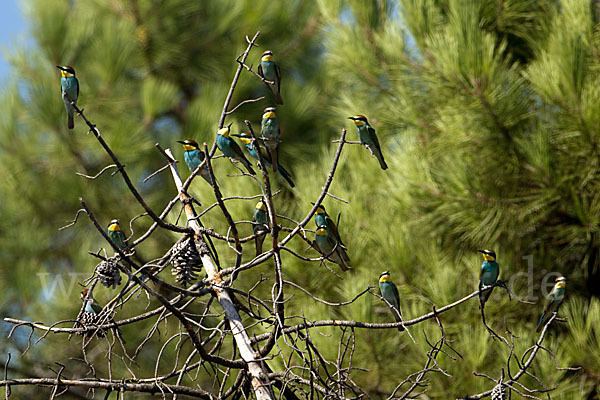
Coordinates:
[12,27]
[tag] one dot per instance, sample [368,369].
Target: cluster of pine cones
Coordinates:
[186,262]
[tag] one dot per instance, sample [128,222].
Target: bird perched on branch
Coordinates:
[368,138]
[251,147]
[260,225]
[116,234]
[488,275]
[268,70]
[194,157]
[553,301]
[231,149]
[328,246]
[389,291]
[322,219]
[93,315]
[269,131]
[69,87]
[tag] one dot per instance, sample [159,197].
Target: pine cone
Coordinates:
[186,262]
[499,392]
[108,273]
[89,319]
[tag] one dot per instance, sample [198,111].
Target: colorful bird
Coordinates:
[193,157]
[389,291]
[553,301]
[116,234]
[268,70]
[323,219]
[247,140]
[260,225]
[269,131]
[231,149]
[69,87]
[93,315]
[488,275]
[91,306]
[330,248]
[368,138]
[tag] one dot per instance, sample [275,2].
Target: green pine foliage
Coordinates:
[487,113]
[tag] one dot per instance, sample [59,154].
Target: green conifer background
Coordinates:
[488,115]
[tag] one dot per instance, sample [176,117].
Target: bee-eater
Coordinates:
[94,311]
[268,70]
[69,87]
[91,305]
[247,140]
[231,149]
[389,291]
[260,226]
[193,157]
[269,130]
[323,219]
[553,301]
[488,274]
[116,234]
[368,138]
[326,245]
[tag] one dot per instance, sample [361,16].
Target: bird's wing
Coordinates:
[278,74]
[77,84]
[264,154]
[96,307]
[260,71]
[396,296]
[315,246]
[334,230]
[549,301]
[374,137]
[237,149]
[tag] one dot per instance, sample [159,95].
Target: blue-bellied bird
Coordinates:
[247,140]
[116,234]
[260,225]
[331,249]
[368,138]
[231,149]
[269,131]
[93,315]
[323,219]
[193,157]
[553,301]
[389,291]
[268,70]
[488,275]
[69,87]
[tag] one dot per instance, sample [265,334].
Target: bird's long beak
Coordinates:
[236,135]
[229,126]
[352,118]
[181,141]
[61,68]
[481,251]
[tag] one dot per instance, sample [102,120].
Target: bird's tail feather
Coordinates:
[259,243]
[249,167]
[381,161]
[274,158]
[541,323]
[276,94]
[71,123]
[286,175]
